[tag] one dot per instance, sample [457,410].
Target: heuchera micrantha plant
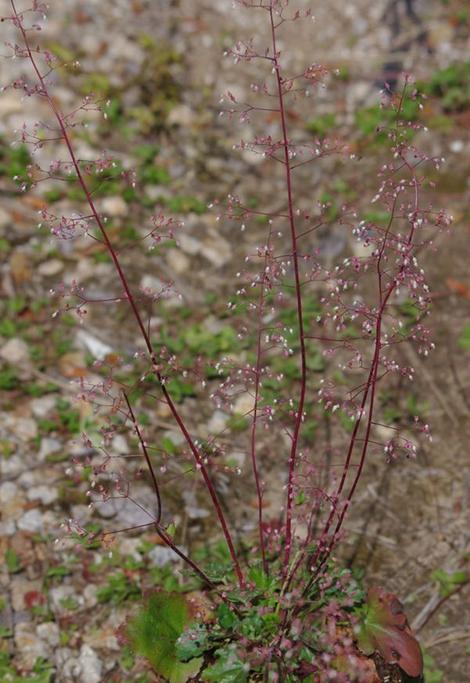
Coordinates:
[283,610]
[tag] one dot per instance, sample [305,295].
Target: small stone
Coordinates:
[90,665]
[31,477]
[191,508]
[178,261]
[19,587]
[129,547]
[20,267]
[119,444]
[43,406]
[357,93]
[360,249]
[15,351]
[24,428]
[176,438]
[189,244]
[157,192]
[217,250]
[58,594]
[46,494]
[48,446]
[103,639]
[152,283]
[12,466]
[68,665]
[125,512]
[181,115]
[217,422]
[29,646]
[161,555]
[440,35]
[10,103]
[114,206]
[244,404]
[49,633]
[457,146]
[32,520]
[384,433]
[89,595]
[95,346]
[86,268]
[12,501]
[63,655]
[8,491]
[5,218]
[7,528]
[106,509]
[251,157]
[50,268]
[163,410]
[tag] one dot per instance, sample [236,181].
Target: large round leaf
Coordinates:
[385,628]
[154,631]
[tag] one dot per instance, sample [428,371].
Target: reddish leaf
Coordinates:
[385,628]
[458,287]
[33,599]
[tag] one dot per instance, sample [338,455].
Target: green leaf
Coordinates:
[321,125]
[227,619]
[431,673]
[258,576]
[179,390]
[12,561]
[155,631]
[59,571]
[44,669]
[192,643]
[8,379]
[238,422]
[464,339]
[118,589]
[448,582]
[228,668]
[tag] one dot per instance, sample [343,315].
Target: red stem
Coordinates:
[153,357]
[254,423]
[143,445]
[370,386]
[298,293]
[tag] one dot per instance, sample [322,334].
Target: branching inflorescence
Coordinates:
[349,317]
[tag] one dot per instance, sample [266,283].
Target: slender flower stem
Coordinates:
[150,468]
[130,298]
[321,555]
[254,423]
[298,294]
